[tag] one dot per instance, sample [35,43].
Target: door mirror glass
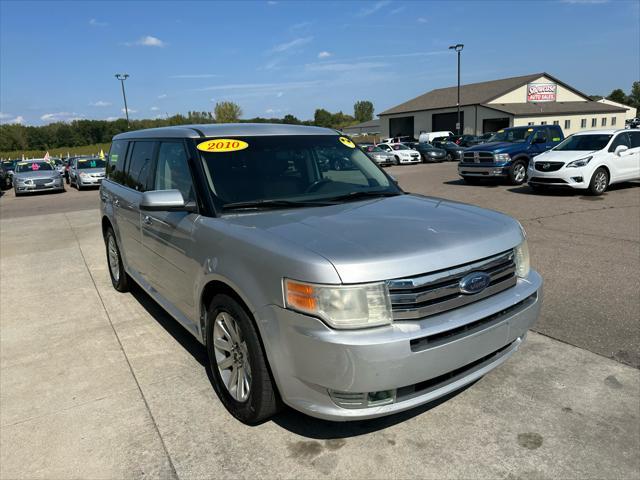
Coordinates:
[620,149]
[162,200]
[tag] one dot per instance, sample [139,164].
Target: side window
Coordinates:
[115,161]
[139,165]
[621,139]
[172,170]
[554,134]
[635,139]
[540,134]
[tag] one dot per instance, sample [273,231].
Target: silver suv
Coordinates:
[327,289]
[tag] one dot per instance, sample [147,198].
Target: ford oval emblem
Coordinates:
[475,282]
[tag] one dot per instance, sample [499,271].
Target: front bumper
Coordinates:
[405,160]
[421,360]
[482,170]
[90,181]
[31,188]
[565,177]
[433,158]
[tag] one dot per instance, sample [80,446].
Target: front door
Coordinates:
[167,236]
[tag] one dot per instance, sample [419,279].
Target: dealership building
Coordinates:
[510,102]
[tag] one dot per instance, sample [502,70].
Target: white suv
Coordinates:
[402,153]
[590,160]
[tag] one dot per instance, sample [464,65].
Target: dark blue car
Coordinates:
[507,154]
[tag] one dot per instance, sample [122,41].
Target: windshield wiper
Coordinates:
[257,204]
[363,194]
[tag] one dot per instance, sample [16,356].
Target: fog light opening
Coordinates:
[577,179]
[383,397]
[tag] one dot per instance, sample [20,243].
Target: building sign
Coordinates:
[541,92]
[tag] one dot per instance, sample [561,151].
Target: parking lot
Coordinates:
[98,384]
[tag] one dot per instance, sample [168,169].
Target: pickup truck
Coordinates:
[508,152]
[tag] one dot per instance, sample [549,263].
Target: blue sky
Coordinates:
[58,59]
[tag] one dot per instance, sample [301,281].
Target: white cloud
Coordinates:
[131,110]
[421,20]
[111,119]
[278,87]
[297,42]
[195,75]
[398,10]
[585,2]
[298,26]
[324,54]
[365,12]
[154,109]
[272,2]
[147,41]
[6,118]
[95,23]
[273,110]
[61,117]
[99,103]
[404,55]
[161,96]
[279,94]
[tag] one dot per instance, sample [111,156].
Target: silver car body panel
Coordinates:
[175,255]
[41,180]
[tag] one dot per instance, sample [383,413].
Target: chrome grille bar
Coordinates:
[425,295]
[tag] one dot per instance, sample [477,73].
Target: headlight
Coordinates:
[84,175]
[24,180]
[341,306]
[581,162]
[522,259]
[502,157]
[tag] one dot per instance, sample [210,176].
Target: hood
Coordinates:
[38,174]
[497,147]
[91,170]
[392,237]
[564,156]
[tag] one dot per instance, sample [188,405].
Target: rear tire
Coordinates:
[599,182]
[233,345]
[397,160]
[518,173]
[119,277]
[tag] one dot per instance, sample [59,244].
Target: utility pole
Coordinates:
[458,48]
[122,77]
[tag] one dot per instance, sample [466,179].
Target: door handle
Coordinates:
[147,220]
[116,202]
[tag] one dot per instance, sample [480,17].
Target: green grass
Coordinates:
[58,152]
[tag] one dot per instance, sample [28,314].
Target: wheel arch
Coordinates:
[210,290]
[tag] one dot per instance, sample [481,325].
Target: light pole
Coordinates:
[458,48]
[122,77]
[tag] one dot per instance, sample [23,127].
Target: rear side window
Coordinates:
[555,134]
[115,163]
[139,165]
[635,139]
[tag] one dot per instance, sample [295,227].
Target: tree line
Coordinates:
[618,95]
[15,137]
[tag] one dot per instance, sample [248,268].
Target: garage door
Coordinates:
[401,127]
[446,121]
[490,125]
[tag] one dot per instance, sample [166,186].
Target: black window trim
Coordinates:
[190,166]
[154,155]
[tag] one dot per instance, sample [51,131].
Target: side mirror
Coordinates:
[162,200]
[620,149]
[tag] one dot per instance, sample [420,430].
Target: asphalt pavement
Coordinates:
[98,384]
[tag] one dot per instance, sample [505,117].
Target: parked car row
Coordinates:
[49,175]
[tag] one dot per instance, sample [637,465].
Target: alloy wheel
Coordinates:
[232,356]
[114,258]
[519,172]
[600,182]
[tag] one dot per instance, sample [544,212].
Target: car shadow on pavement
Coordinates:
[315,428]
[570,192]
[172,326]
[481,183]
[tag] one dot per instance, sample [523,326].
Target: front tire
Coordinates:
[241,377]
[119,278]
[397,160]
[518,173]
[449,157]
[599,182]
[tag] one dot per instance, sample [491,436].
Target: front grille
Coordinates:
[477,157]
[546,180]
[424,295]
[548,166]
[41,182]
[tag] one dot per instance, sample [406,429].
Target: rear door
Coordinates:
[136,179]
[627,165]
[167,236]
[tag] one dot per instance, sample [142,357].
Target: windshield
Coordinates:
[512,135]
[399,146]
[7,165]
[371,148]
[33,166]
[425,146]
[296,168]
[589,142]
[91,163]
